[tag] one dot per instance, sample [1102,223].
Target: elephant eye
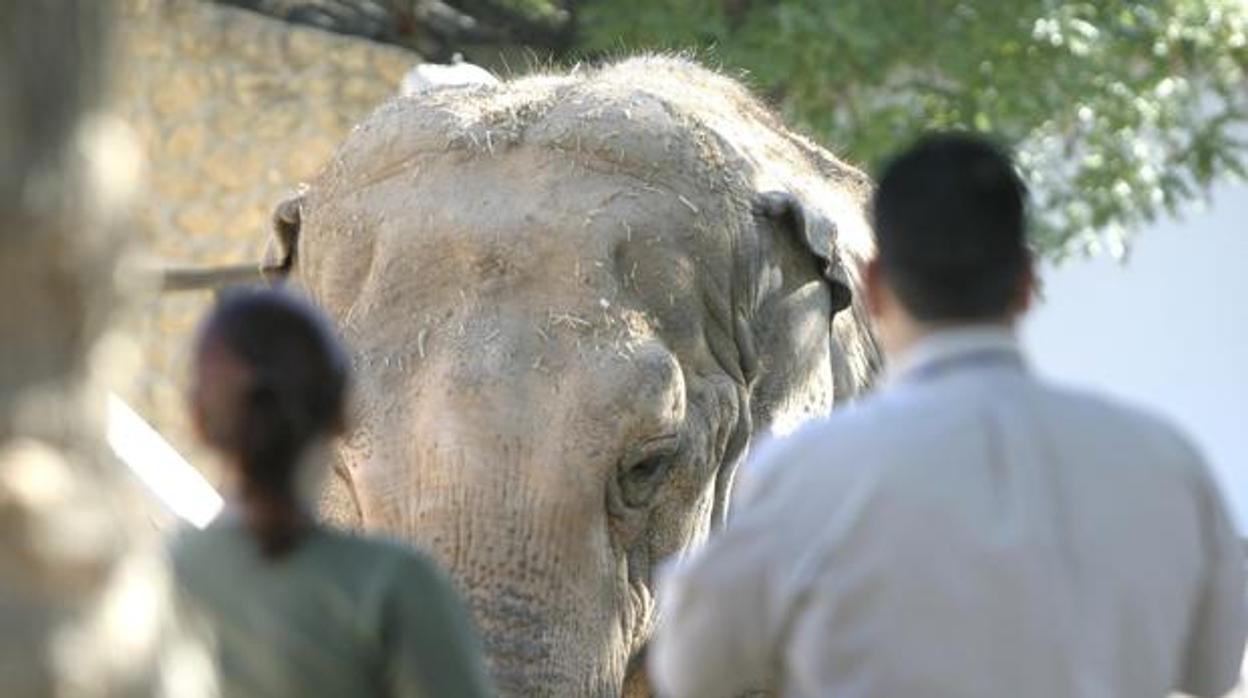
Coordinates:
[641,479]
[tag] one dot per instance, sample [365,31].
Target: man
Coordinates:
[970,531]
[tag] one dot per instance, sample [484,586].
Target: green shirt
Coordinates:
[338,616]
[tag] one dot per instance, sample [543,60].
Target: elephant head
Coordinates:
[573,302]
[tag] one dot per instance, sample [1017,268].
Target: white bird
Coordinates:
[431,76]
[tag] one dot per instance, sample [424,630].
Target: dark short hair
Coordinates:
[949,216]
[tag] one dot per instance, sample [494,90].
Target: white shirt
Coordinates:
[968,532]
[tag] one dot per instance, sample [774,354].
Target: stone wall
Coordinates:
[233,110]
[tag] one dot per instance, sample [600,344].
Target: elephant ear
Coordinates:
[283,249]
[855,354]
[816,233]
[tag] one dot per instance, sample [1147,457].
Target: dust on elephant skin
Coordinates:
[573,301]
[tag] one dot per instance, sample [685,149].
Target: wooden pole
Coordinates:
[212,278]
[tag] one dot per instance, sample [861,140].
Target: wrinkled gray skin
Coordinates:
[573,301]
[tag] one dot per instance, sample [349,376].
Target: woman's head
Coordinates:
[270,381]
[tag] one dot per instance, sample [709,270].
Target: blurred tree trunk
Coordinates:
[83,611]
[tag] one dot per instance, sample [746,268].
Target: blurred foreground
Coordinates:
[85,610]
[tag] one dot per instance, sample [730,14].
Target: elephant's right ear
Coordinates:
[283,250]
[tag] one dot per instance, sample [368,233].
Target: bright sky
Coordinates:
[1169,330]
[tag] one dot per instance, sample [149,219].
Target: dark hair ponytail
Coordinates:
[294,395]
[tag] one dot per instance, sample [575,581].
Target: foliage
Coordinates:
[1118,110]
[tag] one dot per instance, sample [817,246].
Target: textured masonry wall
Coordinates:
[233,110]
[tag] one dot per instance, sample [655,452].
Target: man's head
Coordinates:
[949,218]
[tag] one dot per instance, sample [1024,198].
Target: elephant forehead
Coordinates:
[525,190]
[529,222]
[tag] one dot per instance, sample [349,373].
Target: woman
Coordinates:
[295,608]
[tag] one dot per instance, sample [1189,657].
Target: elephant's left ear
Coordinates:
[283,248]
[815,232]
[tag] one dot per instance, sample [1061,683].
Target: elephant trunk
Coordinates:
[528,549]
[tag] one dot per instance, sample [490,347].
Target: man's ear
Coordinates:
[816,233]
[283,250]
[1029,288]
[873,285]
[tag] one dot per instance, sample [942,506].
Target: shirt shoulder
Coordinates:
[824,459]
[396,587]
[1113,422]
[886,436]
[195,553]
[388,561]
[860,426]
[337,558]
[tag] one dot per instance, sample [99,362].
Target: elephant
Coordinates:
[573,301]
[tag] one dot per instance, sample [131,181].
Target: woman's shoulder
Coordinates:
[389,576]
[336,557]
[378,553]
[188,544]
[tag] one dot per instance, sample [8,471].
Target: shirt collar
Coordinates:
[954,346]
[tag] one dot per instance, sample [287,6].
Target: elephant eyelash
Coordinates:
[640,479]
[648,467]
